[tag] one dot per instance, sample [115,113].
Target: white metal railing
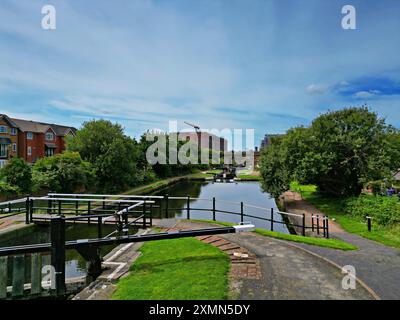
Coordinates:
[82,195]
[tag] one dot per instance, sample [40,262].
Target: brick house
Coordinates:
[8,139]
[31,140]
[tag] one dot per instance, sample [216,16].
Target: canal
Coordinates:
[225,193]
[228,197]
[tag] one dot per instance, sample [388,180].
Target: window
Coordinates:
[49,152]
[3,129]
[3,150]
[14,147]
[49,136]
[29,151]
[29,135]
[14,131]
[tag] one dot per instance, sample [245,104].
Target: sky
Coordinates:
[222,64]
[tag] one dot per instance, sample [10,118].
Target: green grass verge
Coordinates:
[250,177]
[389,236]
[321,242]
[177,269]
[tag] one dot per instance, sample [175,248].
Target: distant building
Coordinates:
[30,140]
[207,140]
[266,141]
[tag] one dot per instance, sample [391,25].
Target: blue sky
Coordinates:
[267,65]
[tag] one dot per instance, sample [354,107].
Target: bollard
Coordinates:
[317,224]
[241,212]
[304,225]
[369,223]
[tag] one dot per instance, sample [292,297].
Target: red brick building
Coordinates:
[30,140]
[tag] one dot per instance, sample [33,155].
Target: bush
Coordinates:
[384,210]
[65,172]
[18,173]
[7,191]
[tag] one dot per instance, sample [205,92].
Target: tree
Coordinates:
[17,173]
[340,152]
[65,172]
[113,154]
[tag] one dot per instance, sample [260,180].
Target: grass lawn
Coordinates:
[389,236]
[321,242]
[177,269]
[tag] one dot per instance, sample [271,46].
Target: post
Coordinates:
[369,223]
[36,273]
[18,279]
[327,227]
[99,225]
[104,204]
[9,207]
[188,207]
[89,204]
[49,206]
[312,222]
[76,207]
[272,219]
[27,206]
[213,208]
[166,205]
[151,214]
[88,207]
[317,224]
[59,207]
[241,212]
[304,225]
[30,210]
[3,277]
[144,214]
[323,226]
[58,253]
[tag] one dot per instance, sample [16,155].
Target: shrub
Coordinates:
[384,210]
[18,173]
[65,172]
[7,191]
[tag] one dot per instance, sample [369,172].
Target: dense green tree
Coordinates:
[17,173]
[339,152]
[65,172]
[113,155]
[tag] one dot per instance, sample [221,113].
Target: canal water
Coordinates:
[75,265]
[225,193]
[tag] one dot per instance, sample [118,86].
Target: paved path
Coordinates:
[287,272]
[376,265]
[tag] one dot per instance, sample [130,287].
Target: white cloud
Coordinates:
[366,94]
[316,89]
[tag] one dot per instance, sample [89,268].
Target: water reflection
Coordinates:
[248,192]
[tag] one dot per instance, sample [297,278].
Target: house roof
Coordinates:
[8,120]
[32,126]
[42,127]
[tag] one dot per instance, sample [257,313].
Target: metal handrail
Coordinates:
[103,195]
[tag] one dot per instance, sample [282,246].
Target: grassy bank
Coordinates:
[333,207]
[321,242]
[178,269]
[155,186]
